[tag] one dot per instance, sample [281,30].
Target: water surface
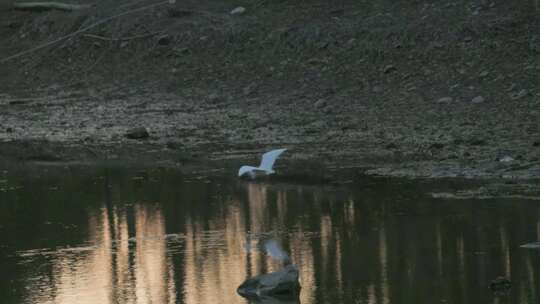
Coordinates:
[125,236]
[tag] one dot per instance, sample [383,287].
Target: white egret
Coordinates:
[265,168]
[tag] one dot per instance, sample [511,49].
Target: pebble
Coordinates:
[478,99]
[137,133]
[522,93]
[248,90]
[534,43]
[321,103]
[436,145]
[506,159]
[164,40]
[391,146]
[238,11]
[389,68]
[484,74]
[377,89]
[445,99]
[214,98]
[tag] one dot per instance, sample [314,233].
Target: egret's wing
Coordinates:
[269,158]
[244,169]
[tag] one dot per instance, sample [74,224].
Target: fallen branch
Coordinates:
[121,39]
[49,6]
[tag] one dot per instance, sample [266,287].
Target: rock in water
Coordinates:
[283,282]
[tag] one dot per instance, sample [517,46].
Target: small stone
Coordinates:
[468,39]
[534,44]
[511,87]
[9,130]
[250,89]
[506,159]
[478,99]
[173,145]
[238,11]
[391,146]
[315,61]
[438,45]
[522,93]
[214,98]
[164,40]
[124,44]
[337,12]
[12,24]
[484,74]
[181,51]
[389,68]
[137,133]
[178,13]
[184,156]
[436,146]
[445,99]
[477,142]
[321,103]
[377,89]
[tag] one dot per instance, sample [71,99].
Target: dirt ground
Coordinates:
[419,89]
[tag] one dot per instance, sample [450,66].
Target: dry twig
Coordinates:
[84,29]
[122,38]
[49,6]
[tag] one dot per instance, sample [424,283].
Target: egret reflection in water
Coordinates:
[168,239]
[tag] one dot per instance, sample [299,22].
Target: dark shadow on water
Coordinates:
[275,300]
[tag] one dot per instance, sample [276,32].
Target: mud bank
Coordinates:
[416,138]
[410,90]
